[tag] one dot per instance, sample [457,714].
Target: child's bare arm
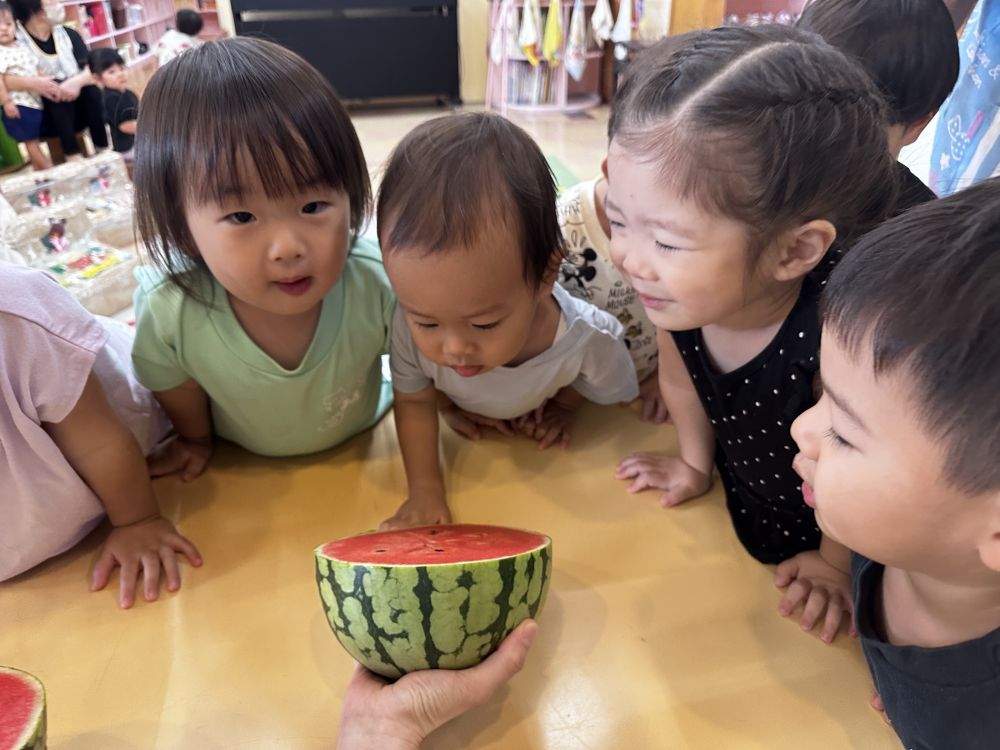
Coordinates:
[417,430]
[106,456]
[9,108]
[689,474]
[40,84]
[188,408]
[128,127]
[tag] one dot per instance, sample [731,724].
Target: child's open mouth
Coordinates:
[295,287]
[468,372]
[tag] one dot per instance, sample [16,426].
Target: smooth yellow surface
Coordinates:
[659,631]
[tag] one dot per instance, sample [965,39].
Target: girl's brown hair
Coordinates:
[217,107]
[769,126]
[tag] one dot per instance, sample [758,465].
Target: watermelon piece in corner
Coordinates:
[434,597]
[22,711]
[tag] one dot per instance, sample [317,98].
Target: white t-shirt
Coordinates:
[588,273]
[173,44]
[589,355]
[16,59]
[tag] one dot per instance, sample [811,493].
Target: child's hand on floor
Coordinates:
[652,407]
[470,425]
[548,424]
[421,509]
[822,588]
[10,109]
[147,546]
[876,702]
[181,456]
[673,475]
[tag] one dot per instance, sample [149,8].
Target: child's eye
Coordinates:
[240,217]
[486,326]
[425,325]
[837,439]
[615,224]
[314,207]
[666,248]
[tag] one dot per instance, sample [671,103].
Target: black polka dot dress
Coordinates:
[752,410]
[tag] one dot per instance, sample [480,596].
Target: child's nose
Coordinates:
[457,346]
[806,432]
[286,246]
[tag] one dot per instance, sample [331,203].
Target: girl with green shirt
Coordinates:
[265,317]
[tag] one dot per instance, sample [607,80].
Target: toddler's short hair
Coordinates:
[922,292]
[908,47]
[457,180]
[188,22]
[102,58]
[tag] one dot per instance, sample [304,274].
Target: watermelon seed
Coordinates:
[380,550]
[439,550]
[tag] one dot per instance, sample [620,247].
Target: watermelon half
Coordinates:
[434,597]
[22,711]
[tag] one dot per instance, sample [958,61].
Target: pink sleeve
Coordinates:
[48,344]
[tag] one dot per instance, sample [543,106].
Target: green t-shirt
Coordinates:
[337,391]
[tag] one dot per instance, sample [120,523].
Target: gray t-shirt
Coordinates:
[590,356]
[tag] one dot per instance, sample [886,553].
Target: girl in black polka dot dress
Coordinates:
[739,169]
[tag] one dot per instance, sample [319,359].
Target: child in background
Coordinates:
[121,106]
[175,42]
[899,458]
[733,168]
[467,220]
[266,318]
[22,110]
[588,274]
[910,50]
[74,427]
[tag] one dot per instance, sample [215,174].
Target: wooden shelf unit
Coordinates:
[126,25]
[515,85]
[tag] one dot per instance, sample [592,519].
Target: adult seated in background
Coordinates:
[379,715]
[62,55]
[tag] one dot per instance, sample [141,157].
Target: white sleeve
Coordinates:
[404,358]
[607,375]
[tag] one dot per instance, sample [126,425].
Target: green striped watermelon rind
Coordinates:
[33,736]
[396,619]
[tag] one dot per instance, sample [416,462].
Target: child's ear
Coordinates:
[803,249]
[604,167]
[989,548]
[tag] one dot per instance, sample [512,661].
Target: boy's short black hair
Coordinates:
[457,179]
[5,7]
[188,22]
[923,292]
[908,47]
[102,58]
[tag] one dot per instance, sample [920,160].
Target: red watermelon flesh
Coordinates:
[22,710]
[434,545]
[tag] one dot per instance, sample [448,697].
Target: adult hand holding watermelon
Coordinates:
[398,716]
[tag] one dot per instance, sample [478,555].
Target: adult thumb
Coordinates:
[483,680]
